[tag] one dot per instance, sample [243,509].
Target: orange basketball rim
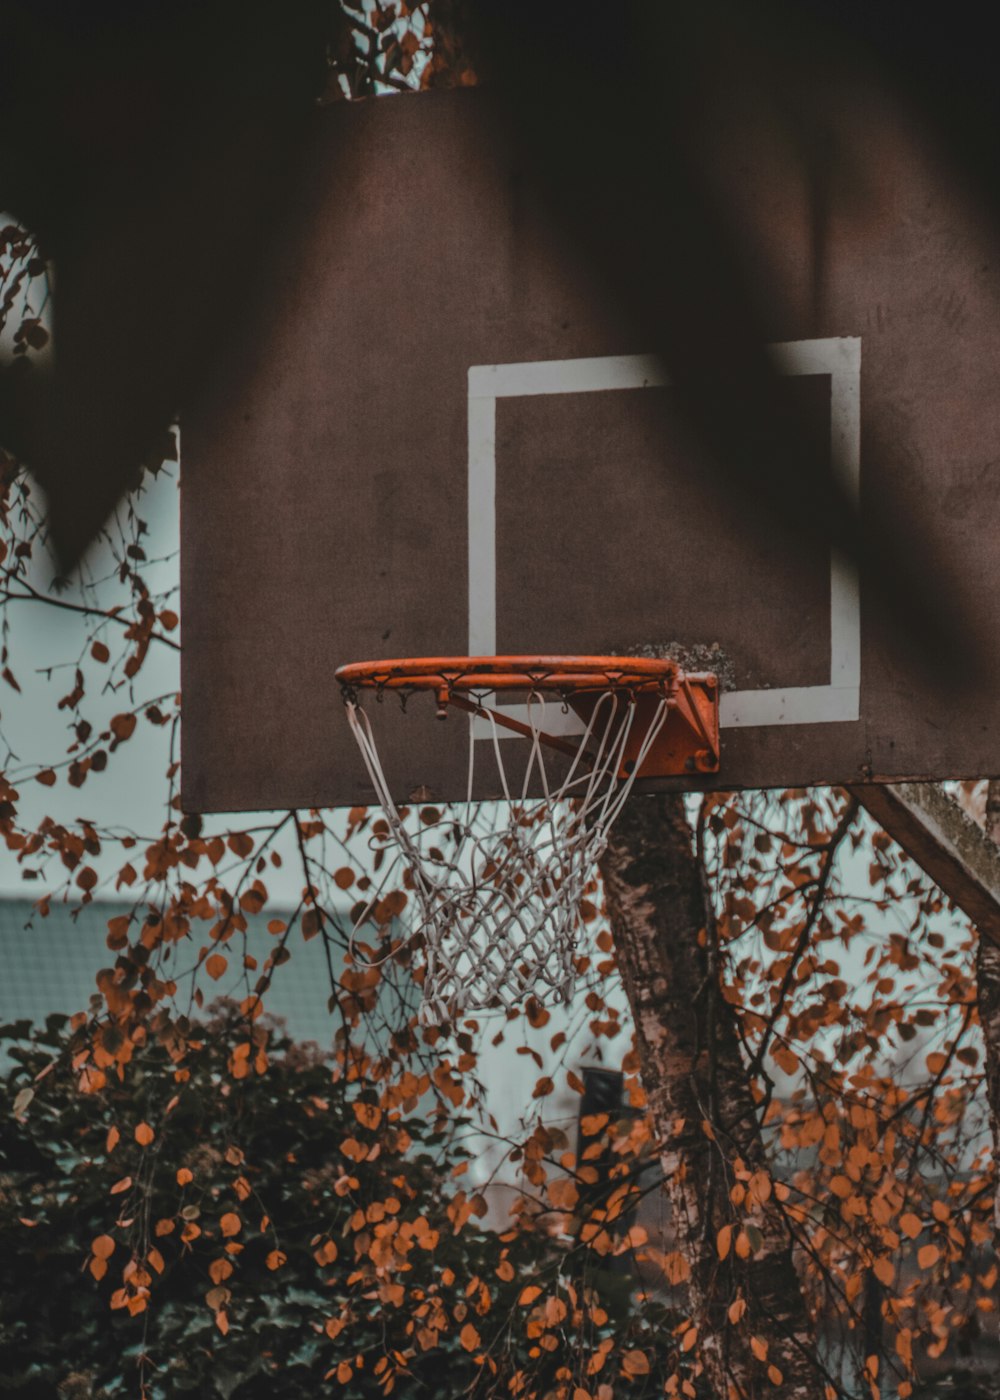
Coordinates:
[686,742]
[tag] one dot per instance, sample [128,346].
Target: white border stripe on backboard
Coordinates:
[585,376]
[837,356]
[482,527]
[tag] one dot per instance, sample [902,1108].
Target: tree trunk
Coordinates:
[988,994]
[702,1109]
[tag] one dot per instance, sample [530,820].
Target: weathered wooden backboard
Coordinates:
[444,441]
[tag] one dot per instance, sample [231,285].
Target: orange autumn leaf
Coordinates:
[122,1185]
[723,1240]
[635,1363]
[529,1294]
[230,1223]
[216,965]
[759,1186]
[368,1115]
[123,727]
[469,1337]
[184,1175]
[219,1270]
[117,936]
[326,1253]
[276,1259]
[881,1211]
[928,1256]
[251,1007]
[392,905]
[102,1247]
[759,1348]
[910,1224]
[144,1134]
[112,1140]
[563,1193]
[554,1311]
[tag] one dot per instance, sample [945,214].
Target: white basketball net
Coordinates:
[498,892]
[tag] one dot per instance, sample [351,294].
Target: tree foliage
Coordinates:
[194,1231]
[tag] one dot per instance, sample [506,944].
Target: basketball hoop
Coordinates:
[500,888]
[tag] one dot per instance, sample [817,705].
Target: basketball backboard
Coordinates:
[445,442]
